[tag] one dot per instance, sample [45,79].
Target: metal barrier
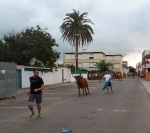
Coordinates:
[8,79]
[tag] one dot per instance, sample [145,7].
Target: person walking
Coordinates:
[120,76]
[133,75]
[107,77]
[35,93]
[99,75]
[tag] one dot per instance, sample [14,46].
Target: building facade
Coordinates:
[146,64]
[139,68]
[125,68]
[87,60]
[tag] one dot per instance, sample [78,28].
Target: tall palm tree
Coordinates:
[76,31]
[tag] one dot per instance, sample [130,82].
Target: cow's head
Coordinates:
[78,78]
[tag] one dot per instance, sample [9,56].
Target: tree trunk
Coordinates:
[76,56]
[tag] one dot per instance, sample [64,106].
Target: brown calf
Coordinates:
[82,83]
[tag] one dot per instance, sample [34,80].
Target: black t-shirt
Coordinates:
[35,84]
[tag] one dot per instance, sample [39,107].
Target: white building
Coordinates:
[125,68]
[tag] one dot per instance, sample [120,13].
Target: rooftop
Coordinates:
[94,53]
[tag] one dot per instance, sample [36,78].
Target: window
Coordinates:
[72,56]
[67,56]
[111,58]
[116,58]
[85,56]
[91,65]
[96,56]
[80,65]
[91,56]
[107,58]
[116,65]
[80,56]
[86,65]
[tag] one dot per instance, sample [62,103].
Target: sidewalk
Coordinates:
[24,90]
[146,85]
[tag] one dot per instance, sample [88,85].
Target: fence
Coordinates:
[8,79]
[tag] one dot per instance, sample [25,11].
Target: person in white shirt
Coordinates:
[107,77]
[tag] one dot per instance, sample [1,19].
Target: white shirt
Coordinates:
[107,77]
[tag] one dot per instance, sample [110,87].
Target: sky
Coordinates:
[120,26]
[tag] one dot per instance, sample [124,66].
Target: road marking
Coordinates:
[42,98]
[121,110]
[14,107]
[100,109]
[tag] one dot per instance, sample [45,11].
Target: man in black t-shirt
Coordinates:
[36,87]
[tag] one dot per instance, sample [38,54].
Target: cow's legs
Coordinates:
[88,89]
[79,91]
[85,90]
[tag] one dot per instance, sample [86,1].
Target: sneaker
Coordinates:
[30,116]
[38,116]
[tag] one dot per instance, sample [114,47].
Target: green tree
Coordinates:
[82,69]
[103,66]
[76,30]
[31,43]
[131,69]
[37,64]
[61,65]
[71,66]
[2,51]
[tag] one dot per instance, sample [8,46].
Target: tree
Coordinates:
[131,69]
[61,65]
[2,50]
[31,43]
[103,66]
[76,30]
[71,66]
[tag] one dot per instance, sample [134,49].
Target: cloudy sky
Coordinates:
[121,26]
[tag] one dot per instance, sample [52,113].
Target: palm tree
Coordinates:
[76,30]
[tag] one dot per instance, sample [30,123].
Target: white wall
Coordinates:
[73,79]
[48,78]
[57,75]
[125,70]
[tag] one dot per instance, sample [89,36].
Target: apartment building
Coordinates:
[87,60]
[125,68]
[146,64]
[139,67]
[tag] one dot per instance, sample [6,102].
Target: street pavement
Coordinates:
[127,110]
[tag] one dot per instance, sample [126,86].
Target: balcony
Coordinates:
[146,54]
[147,65]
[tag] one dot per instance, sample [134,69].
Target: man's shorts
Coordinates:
[109,84]
[37,97]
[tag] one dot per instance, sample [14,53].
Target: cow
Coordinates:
[82,83]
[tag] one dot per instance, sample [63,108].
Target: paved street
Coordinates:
[127,110]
